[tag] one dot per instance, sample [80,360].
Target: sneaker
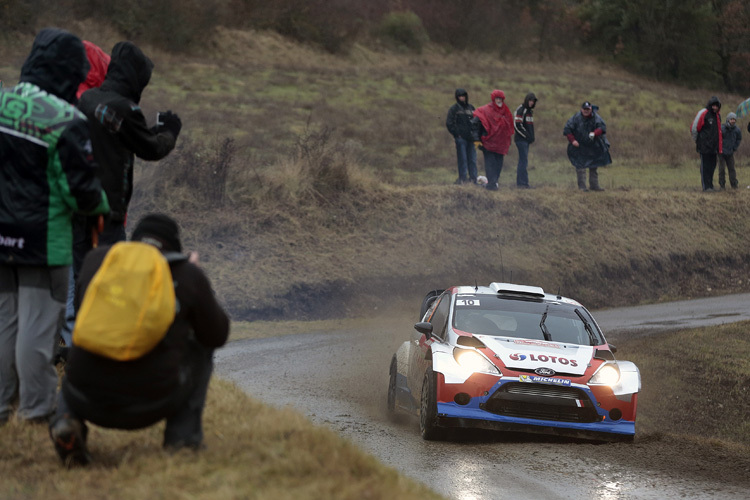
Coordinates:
[69,436]
[597,188]
[493,187]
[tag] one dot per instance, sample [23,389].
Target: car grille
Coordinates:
[542,401]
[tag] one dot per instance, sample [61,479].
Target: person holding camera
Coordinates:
[119,133]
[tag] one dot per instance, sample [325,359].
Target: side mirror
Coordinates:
[424,328]
[612,348]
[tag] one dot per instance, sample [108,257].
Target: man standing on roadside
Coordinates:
[524,125]
[731,136]
[119,133]
[458,123]
[706,132]
[588,147]
[47,173]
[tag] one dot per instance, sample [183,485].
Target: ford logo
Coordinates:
[547,372]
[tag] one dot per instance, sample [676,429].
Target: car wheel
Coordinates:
[392,388]
[428,409]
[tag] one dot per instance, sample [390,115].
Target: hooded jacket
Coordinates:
[459,117]
[524,119]
[706,129]
[494,125]
[98,62]
[731,136]
[47,171]
[118,128]
[590,153]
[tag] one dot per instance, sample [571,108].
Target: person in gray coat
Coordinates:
[731,138]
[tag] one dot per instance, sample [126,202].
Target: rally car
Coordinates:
[512,357]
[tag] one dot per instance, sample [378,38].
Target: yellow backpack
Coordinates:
[129,304]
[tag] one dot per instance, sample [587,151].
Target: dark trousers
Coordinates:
[708,166]
[727,160]
[183,409]
[493,165]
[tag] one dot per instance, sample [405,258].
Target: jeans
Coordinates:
[467,159]
[522,174]
[493,165]
[112,233]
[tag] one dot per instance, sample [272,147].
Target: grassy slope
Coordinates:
[279,247]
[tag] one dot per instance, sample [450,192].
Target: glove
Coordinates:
[171,122]
[478,145]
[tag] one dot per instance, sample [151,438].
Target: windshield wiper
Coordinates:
[587,326]
[545,332]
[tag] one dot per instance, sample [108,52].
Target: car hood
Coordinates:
[523,354]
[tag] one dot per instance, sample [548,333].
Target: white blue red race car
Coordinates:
[512,357]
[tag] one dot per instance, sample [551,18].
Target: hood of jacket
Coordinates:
[129,71]
[98,62]
[56,64]
[495,94]
[462,92]
[528,100]
[712,101]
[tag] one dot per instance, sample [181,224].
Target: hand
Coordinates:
[575,144]
[193,257]
[171,122]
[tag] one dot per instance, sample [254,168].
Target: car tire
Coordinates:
[428,409]
[391,401]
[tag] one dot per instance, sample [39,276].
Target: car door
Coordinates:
[422,359]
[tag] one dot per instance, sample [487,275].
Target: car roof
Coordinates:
[513,290]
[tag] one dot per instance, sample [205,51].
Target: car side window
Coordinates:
[439,318]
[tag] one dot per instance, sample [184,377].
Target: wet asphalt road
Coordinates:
[339,379]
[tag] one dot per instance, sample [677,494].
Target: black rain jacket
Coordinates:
[118,128]
[524,119]
[459,117]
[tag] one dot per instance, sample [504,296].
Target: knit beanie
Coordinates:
[158,230]
[731,115]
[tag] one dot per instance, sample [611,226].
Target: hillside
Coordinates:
[321,186]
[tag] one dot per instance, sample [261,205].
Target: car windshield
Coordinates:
[527,319]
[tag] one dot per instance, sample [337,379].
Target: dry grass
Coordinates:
[254,452]
[695,382]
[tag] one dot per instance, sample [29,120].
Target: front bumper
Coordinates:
[574,410]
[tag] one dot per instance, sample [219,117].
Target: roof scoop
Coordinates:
[511,288]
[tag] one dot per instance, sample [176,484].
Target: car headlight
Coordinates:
[607,374]
[472,361]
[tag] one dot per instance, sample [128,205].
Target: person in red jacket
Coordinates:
[98,64]
[492,126]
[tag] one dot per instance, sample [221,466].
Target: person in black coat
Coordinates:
[119,133]
[169,382]
[458,123]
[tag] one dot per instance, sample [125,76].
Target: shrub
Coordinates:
[404,30]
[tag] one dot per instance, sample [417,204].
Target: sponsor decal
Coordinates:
[543,380]
[7,241]
[543,358]
[542,343]
[467,302]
